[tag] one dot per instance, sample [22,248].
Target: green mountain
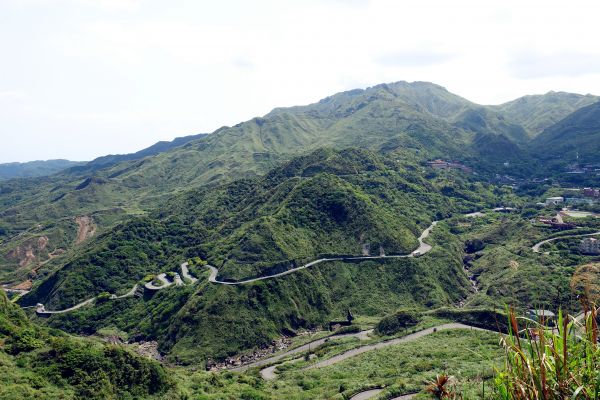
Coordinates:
[347,175]
[413,121]
[325,203]
[34,168]
[573,140]
[328,202]
[538,112]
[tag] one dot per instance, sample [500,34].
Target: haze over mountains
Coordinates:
[34,168]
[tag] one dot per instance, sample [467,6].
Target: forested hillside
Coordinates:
[349,202]
[36,362]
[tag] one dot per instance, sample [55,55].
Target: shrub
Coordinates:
[396,322]
[103,297]
[348,329]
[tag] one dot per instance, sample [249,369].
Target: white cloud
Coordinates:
[12,96]
[107,70]
[113,5]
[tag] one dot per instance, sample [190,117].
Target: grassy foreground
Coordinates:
[468,355]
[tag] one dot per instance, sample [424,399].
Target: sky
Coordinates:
[85,78]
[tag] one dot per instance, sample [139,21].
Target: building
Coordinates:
[590,246]
[578,201]
[552,201]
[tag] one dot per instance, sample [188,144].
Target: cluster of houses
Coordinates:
[554,201]
[441,164]
[584,169]
[590,246]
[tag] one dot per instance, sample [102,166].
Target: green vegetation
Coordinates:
[40,363]
[508,271]
[401,320]
[556,365]
[576,135]
[470,355]
[274,193]
[325,203]
[538,112]
[412,122]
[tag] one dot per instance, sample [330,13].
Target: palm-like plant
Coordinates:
[439,387]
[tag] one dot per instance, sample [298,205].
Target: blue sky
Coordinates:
[84,78]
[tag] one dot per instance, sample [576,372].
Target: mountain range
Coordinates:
[414,121]
[347,175]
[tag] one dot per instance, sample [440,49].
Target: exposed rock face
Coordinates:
[25,285]
[239,360]
[28,251]
[86,228]
[149,349]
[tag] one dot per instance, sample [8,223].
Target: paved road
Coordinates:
[161,277]
[186,273]
[128,294]
[269,372]
[40,310]
[367,394]
[422,249]
[475,214]
[536,247]
[362,335]
[369,347]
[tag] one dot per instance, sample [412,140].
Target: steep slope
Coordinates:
[414,121]
[410,119]
[34,168]
[328,202]
[38,363]
[538,112]
[577,135]
[333,202]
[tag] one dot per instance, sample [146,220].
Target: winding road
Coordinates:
[162,278]
[214,272]
[536,247]
[186,273]
[268,373]
[369,394]
[421,250]
[362,335]
[380,345]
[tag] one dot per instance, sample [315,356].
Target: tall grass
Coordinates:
[548,363]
